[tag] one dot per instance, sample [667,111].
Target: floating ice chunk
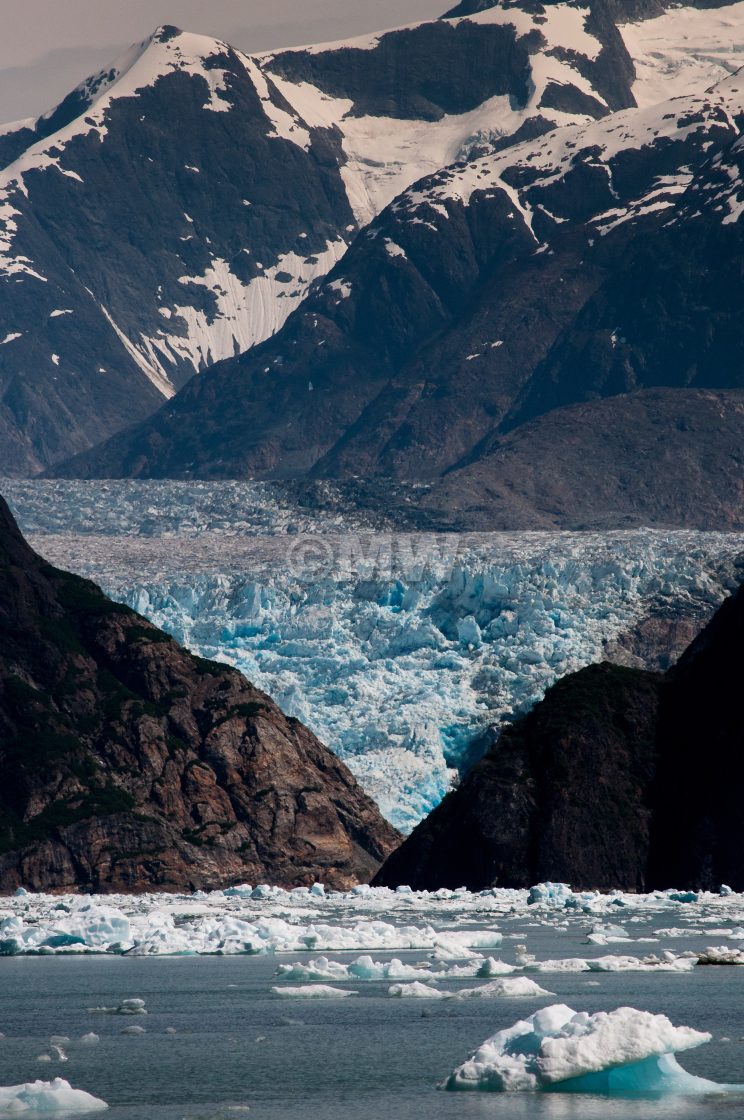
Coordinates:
[45,1097]
[721,954]
[482,969]
[364,968]
[90,1039]
[605,934]
[313,991]
[508,987]
[622,1051]
[667,962]
[126,1007]
[133,1030]
[320,969]
[554,894]
[416,990]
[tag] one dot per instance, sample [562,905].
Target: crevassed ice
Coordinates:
[397,649]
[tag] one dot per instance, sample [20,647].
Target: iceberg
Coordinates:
[364,968]
[44,1097]
[622,1052]
[514,987]
[312,991]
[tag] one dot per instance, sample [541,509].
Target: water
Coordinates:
[367,1057]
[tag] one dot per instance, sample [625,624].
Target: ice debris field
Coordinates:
[397,649]
[516,954]
[460,934]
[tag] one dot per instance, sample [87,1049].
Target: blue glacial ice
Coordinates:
[45,1097]
[621,1052]
[397,649]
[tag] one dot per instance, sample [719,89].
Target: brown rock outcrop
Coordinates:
[128,764]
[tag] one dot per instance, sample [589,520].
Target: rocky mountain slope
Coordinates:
[596,266]
[175,208]
[618,778]
[128,764]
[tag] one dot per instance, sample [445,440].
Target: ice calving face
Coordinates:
[557,1048]
[402,648]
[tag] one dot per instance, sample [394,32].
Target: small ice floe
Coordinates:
[721,954]
[90,1039]
[510,987]
[364,968]
[606,934]
[47,1096]
[559,1050]
[126,1007]
[507,987]
[478,969]
[417,990]
[133,1030]
[312,991]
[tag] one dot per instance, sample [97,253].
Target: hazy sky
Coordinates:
[48,46]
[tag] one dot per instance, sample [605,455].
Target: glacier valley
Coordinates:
[398,649]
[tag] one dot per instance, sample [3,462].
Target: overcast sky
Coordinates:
[48,46]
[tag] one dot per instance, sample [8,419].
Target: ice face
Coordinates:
[42,1097]
[397,649]
[557,1049]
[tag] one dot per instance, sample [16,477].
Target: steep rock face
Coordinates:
[618,778]
[564,794]
[698,834]
[662,457]
[128,764]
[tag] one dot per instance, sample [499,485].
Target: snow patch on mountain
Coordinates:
[247,313]
[684,51]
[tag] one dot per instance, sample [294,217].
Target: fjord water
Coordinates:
[367,1057]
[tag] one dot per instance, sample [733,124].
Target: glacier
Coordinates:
[397,648]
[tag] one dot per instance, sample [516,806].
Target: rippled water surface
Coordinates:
[368,1057]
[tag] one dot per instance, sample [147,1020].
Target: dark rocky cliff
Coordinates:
[619,778]
[128,764]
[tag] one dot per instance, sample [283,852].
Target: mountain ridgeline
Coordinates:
[177,207]
[618,778]
[128,764]
[547,332]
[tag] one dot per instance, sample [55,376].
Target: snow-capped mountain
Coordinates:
[597,260]
[177,207]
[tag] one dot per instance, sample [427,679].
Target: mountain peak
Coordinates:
[166,32]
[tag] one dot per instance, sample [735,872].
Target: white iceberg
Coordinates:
[507,987]
[42,1097]
[416,990]
[364,968]
[510,987]
[312,991]
[620,1052]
